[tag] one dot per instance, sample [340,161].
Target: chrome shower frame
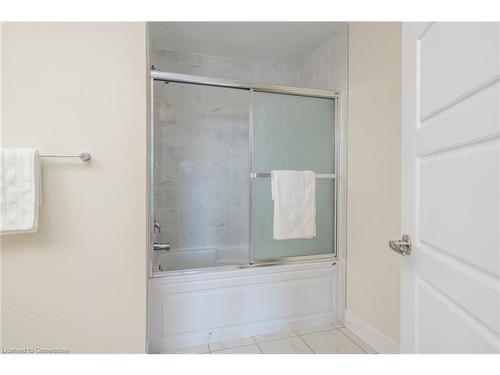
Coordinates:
[251,87]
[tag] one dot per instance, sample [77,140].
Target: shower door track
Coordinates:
[157,75]
[244,85]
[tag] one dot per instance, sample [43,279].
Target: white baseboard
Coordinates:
[371,335]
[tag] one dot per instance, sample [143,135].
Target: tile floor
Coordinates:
[330,338]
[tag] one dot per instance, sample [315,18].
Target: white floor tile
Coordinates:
[367,348]
[331,342]
[314,329]
[228,344]
[322,338]
[292,345]
[248,349]
[275,336]
[197,349]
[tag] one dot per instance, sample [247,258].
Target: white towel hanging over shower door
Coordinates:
[294,197]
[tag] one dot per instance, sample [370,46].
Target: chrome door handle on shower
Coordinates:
[402,246]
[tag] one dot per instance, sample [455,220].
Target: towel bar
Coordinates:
[84,156]
[318,175]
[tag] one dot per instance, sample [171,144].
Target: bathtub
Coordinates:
[196,259]
[214,303]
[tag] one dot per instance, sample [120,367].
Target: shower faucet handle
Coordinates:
[156,245]
[157,227]
[161,246]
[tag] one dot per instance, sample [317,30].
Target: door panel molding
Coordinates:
[470,335]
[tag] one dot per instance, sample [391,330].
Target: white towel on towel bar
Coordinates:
[20,190]
[294,196]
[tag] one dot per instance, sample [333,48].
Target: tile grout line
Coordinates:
[305,342]
[260,349]
[355,343]
[256,343]
[312,333]
[240,346]
[262,342]
[282,338]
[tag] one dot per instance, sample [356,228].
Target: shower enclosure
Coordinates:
[213,145]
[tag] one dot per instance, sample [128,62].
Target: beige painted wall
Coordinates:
[79,283]
[374,173]
[1,24]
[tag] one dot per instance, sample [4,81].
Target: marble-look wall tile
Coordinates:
[169,217]
[189,155]
[239,197]
[219,217]
[192,198]
[218,198]
[224,67]
[172,237]
[219,236]
[193,177]
[191,217]
[219,175]
[177,62]
[326,67]
[339,47]
[192,238]
[239,235]
[239,216]
[167,198]
[337,78]
[313,71]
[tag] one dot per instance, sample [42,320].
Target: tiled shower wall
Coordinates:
[201,166]
[224,67]
[326,67]
[201,150]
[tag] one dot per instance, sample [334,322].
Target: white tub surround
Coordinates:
[191,309]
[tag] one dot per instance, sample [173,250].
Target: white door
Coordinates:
[451,188]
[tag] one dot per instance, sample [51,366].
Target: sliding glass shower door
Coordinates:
[212,144]
[296,133]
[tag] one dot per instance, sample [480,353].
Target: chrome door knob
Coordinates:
[402,246]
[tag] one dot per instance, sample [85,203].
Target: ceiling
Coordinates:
[276,42]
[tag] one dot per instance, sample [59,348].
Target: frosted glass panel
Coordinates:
[292,132]
[262,223]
